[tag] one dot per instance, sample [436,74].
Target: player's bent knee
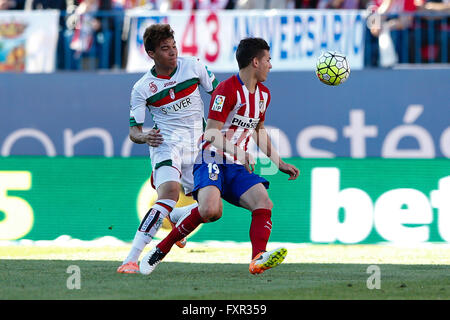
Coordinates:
[215,218]
[210,213]
[269,204]
[265,203]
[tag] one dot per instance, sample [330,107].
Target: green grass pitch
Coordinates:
[201,272]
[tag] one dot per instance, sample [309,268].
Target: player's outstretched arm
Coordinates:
[153,137]
[262,140]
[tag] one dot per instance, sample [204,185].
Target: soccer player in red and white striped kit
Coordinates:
[224,169]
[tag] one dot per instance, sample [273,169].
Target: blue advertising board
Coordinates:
[401,113]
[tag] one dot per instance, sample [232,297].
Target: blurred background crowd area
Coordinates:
[91,5]
[418,29]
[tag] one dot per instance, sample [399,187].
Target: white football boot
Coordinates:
[151,260]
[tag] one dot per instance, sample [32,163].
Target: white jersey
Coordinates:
[174,101]
[177,109]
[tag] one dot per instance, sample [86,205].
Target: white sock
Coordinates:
[149,227]
[141,239]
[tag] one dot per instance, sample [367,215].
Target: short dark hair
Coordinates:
[156,33]
[248,49]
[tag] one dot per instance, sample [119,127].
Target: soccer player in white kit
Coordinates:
[170,91]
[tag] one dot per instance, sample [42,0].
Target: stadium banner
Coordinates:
[348,201]
[296,37]
[28,40]
[388,114]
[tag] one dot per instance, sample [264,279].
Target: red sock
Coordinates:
[260,229]
[192,221]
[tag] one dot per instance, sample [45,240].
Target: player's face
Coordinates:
[263,67]
[166,54]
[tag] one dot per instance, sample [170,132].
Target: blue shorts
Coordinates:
[231,179]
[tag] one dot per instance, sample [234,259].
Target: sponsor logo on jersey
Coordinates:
[245,122]
[213,176]
[180,105]
[153,87]
[170,83]
[218,103]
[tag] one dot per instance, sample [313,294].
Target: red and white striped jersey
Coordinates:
[239,110]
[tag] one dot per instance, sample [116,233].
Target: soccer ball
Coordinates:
[332,68]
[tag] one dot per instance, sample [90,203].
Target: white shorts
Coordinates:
[173,162]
